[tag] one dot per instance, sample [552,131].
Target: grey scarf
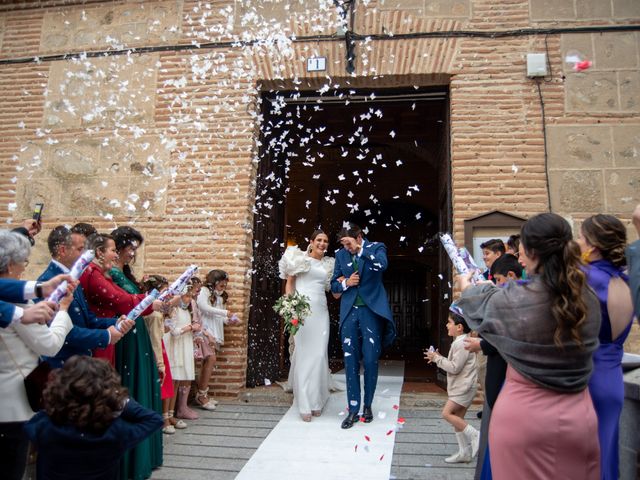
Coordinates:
[517,320]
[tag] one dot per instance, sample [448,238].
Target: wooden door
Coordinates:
[445,290]
[265,338]
[406,286]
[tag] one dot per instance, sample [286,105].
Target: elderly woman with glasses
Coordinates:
[20,348]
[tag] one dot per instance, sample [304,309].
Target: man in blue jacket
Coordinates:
[88,332]
[633,263]
[366,323]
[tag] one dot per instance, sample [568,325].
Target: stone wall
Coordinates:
[166,140]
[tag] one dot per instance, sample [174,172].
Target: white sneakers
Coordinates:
[468,444]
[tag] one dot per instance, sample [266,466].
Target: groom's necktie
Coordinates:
[359,302]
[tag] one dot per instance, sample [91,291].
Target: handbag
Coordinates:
[35,382]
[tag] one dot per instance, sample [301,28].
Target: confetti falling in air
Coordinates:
[389,432]
[267,382]
[396,407]
[367,438]
[381,457]
[401,420]
[382,415]
[355,449]
[514,168]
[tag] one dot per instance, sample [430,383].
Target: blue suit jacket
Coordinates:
[88,332]
[633,262]
[371,264]
[66,453]
[11,291]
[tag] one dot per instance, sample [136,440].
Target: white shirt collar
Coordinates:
[61,266]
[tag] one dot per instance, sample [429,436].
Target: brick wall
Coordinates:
[167,140]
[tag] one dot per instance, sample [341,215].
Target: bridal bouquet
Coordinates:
[294,308]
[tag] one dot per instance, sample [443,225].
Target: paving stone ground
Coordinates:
[217,446]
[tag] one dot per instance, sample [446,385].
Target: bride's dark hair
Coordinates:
[316,233]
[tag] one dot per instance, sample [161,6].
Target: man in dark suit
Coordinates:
[366,323]
[88,332]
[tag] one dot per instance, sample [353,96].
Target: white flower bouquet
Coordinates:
[293,308]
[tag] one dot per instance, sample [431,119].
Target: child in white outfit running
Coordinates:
[462,379]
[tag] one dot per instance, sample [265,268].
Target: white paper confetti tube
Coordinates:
[454,254]
[76,270]
[142,306]
[471,265]
[177,286]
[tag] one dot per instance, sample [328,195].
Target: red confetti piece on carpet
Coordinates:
[366,437]
[362,419]
[401,420]
[389,432]
[582,66]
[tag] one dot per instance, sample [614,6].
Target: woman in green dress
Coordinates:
[135,361]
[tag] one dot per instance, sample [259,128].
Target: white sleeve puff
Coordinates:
[293,262]
[328,263]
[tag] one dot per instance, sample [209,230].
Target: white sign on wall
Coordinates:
[316,64]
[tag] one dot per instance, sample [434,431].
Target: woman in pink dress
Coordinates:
[543,425]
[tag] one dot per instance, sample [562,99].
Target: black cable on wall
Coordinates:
[231,44]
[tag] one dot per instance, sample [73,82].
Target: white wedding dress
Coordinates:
[309,376]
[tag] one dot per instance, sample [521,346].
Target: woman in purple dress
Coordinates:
[602,242]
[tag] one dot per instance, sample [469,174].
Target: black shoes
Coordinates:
[350,420]
[367,415]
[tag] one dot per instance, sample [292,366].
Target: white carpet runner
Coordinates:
[320,449]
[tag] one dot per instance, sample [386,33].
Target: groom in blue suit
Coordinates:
[366,323]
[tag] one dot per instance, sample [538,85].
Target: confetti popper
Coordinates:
[76,270]
[450,246]
[471,264]
[178,286]
[142,306]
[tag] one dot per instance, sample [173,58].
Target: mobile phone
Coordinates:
[37,212]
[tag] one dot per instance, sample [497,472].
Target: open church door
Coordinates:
[265,337]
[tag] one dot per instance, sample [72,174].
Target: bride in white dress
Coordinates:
[310,273]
